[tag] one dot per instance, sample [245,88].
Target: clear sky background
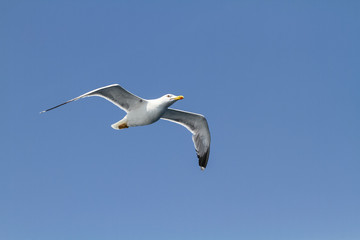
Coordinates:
[277,80]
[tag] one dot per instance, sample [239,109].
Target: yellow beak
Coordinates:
[178,97]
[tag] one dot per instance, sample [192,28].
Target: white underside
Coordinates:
[144,115]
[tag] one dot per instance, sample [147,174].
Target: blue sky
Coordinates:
[277,80]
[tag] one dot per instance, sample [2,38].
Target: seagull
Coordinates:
[142,112]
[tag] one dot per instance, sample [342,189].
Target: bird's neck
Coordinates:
[160,103]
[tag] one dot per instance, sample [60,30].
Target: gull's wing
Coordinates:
[198,126]
[113,93]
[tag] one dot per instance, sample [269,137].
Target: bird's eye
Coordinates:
[168,95]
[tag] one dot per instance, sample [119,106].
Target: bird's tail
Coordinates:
[120,124]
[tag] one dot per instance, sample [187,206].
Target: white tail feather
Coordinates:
[120,124]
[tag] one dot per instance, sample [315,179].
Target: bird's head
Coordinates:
[169,99]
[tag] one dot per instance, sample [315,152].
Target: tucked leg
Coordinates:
[120,124]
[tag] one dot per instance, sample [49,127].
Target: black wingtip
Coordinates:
[59,105]
[203,160]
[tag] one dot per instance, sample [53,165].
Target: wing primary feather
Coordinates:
[198,126]
[203,160]
[113,93]
[74,99]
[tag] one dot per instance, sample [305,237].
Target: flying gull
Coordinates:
[142,112]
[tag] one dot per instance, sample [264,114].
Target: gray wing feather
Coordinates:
[198,126]
[113,93]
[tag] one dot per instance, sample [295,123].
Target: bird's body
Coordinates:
[152,109]
[142,112]
[145,112]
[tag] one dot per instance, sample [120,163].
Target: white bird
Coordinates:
[142,112]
